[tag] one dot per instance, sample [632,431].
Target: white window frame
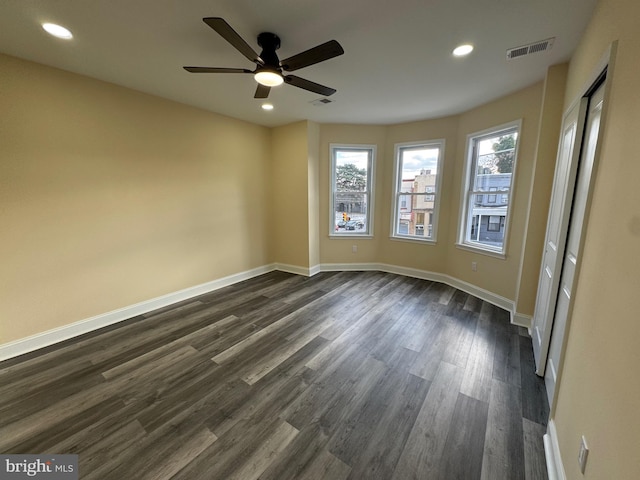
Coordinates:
[397,190]
[467,192]
[369,193]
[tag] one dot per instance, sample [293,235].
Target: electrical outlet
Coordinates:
[584,453]
[474,266]
[354,249]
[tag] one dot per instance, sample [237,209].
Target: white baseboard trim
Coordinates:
[314,270]
[50,337]
[521,320]
[295,269]
[56,335]
[481,293]
[555,467]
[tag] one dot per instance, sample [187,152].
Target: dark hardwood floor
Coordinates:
[352,375]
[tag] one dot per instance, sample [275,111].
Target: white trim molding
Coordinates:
[521,320]
[56,335]
[555,468]
[295,269]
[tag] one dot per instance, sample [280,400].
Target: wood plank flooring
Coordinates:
[351,375]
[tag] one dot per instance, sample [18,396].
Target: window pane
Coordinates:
[351,212]
[351,170]
[496,153]
[419,161]
[418,221]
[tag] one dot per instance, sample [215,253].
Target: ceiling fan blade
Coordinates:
[216,70]
[262,91]
[312,56]
[309,85]
[231,36]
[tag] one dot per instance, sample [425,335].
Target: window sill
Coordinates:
[365,236]
[481,251]
[427,241]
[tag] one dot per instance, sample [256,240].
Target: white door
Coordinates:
[557,227]
[573,247]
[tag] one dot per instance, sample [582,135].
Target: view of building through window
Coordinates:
[351,171]
[417,190]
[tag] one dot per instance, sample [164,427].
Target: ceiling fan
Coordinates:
[269,70]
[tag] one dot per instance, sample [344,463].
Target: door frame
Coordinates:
[603,69]
[574,246]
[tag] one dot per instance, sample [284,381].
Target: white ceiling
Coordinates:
[397,64]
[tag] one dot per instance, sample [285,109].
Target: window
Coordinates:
[494,223]
[351,185]
[429,198]
[491,161]
[416,190]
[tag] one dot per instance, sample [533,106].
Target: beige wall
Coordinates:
[294,184]
[599,390]
[290,190]
[109,197]
[313,181]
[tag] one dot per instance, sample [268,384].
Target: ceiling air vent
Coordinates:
[541,46]
[320,101]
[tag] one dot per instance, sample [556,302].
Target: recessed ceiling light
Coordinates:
[463,50]
[267,106]
[57,30]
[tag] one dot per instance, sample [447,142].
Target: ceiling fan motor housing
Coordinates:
[269,42]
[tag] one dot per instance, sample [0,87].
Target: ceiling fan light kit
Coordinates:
[268,78]
[269,69]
